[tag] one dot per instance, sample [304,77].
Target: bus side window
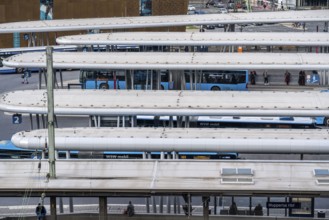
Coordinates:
[164,77]
[187,77]
[233,79]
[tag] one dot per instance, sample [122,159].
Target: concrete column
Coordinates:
[176,77]
[175,204]
[71,205]
[215,205]
[102,208]
[147,201]
[37,120]
[61,206]
[161,204]
[205,202]
[68,154]
[154,205]
[53,213]
[31,121]
[168,204]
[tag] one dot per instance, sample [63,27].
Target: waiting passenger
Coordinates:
[258,209]
[233,209]
[301,78]
[266,76]
[40,211]
[287,77]
[253,75]
[130,209]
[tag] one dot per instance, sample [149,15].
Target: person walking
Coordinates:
[287,76]
[40,211]
[26,75]
[265,75]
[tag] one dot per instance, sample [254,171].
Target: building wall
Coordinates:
[18,10]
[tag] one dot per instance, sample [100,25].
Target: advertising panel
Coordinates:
[46,9]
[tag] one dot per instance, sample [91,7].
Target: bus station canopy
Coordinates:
[199,39]
[173,61]
[169,103]
[164,21]
[287,141]
[16,50]
[94,177]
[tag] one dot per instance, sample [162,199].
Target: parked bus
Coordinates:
[107,79]
[217,80]
[147,79]
[231,122]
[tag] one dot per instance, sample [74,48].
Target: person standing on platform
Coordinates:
[233,209]
[40,211]
[301,78]
[287,76]
[253,75]
[130,209]
[258,210]
[265,75]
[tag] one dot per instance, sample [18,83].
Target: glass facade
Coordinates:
[145,7]
[46,9]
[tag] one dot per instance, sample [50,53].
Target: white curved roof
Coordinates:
[199,38]
[180,140]
[190,103]
[163,21]
[126,177]
[38,48]
[176,61]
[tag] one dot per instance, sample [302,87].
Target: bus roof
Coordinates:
[180,140]
[175,61]
[164,21]
[170,103]
[199,39]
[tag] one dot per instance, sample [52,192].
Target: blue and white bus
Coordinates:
[116,79]
[233,122]
[217,80]
[147,79]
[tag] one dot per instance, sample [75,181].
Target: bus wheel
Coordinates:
[215,88]
[103,86]
[19,70]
